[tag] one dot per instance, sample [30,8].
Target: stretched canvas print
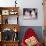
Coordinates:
[31,36]
[10,19]
[30,13]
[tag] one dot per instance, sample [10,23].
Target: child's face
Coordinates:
[27,13]
[31,41]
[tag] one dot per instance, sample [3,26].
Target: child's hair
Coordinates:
[33,9]
[28,10]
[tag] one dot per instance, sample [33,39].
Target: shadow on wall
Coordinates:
[37,29]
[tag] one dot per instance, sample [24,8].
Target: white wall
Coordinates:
[26,4]
[33,4]
[7,3]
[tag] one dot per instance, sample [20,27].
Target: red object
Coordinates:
[29,33]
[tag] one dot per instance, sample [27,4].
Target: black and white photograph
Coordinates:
[30,13]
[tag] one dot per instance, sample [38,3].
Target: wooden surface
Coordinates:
[10,9]
[10,26]
[45,37]
[9,43]
[44,5]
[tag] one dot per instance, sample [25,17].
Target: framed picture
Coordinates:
[28,30]
[10,20]
[13,12]
[5,12]
[30,13]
